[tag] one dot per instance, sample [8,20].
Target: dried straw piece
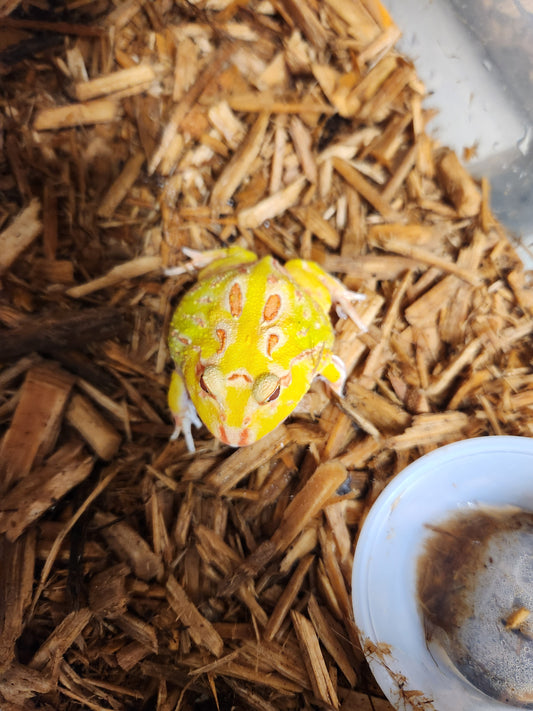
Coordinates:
[263,102]
[270,680]
[464,359]
[302,140]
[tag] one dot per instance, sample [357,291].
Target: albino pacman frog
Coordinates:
[247,341]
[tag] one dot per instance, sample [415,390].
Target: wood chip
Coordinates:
[122,272]
[99,434]
[20,234]
[244,460]
[293,128]
[326,479]
[331,640]
[118,191]
[239,166]
[90,112]
[138,76]
[36,422]
[199,628]
[35,494]
[314,661]
[287,598]
[459,186]
[129,546]
[61,639]
[271,206]
[354,178]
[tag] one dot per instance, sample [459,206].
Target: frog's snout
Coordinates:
[235,436]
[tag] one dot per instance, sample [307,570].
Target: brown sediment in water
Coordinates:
[474,590]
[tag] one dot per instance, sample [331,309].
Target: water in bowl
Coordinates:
[475,592]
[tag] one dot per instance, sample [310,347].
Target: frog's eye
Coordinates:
[266,388]
[211,381]
[274,396]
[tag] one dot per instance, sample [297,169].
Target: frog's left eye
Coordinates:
[266,388]
[211,381]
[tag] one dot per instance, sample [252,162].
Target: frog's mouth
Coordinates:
[235,436]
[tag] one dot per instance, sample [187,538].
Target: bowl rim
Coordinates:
[409,673]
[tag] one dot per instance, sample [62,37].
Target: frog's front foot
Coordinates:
[183,411]
[343,300]
[220,259]
[183,423]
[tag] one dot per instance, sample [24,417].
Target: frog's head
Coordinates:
[238,408]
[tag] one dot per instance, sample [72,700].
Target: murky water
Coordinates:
[475,588]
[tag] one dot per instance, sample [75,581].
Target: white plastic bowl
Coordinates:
[494,471]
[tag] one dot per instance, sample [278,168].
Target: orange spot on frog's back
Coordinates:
[235,300]
[272,307]
[272,342]
[221,335]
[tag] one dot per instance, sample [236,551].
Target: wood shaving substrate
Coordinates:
[135,575]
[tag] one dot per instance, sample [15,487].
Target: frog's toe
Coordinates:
[182,424]
[344,307]
[183,410]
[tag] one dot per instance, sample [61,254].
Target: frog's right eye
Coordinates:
[266,388]
[211,381]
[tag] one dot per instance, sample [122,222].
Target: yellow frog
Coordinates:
[247,341]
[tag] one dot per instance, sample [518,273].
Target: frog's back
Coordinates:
[252,316]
